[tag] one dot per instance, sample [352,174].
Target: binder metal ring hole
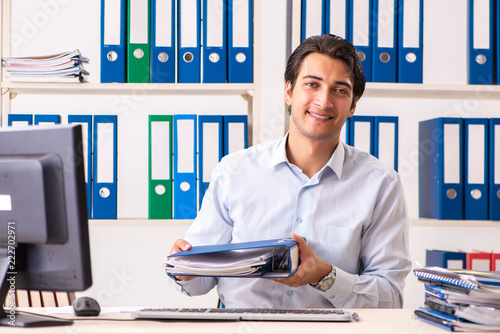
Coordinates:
[361,56]
[476,193]
[214,57]
[385,57]
[160,189]
[411,57]
[104,192]
[240,57]
[112,56]
[498,194]
[185,186]
[163,57]
[188,57]
[480,59]
[138,53]
[451,193]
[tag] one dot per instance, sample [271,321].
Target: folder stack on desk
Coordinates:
[460,300]
[61,67]
[268,258]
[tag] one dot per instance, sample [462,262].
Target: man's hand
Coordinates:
[311,268]
[181,245]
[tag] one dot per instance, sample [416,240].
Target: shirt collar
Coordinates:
[335,163]
[279,154]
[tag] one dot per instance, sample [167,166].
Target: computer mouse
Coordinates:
[86,307]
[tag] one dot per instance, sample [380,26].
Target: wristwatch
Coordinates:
[327,281]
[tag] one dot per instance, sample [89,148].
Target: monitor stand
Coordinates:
[9,316]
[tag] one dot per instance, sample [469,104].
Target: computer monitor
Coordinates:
[44,237]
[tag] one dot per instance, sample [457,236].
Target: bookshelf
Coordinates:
[250,92]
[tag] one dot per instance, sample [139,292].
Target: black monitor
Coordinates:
[44,237]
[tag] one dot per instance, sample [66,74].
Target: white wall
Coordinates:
[127,259]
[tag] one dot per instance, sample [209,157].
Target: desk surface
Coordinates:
[371,321]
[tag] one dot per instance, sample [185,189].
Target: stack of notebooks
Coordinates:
[62,67]
[460,300]
[266,258]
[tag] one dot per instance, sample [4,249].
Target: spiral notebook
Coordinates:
[462,280]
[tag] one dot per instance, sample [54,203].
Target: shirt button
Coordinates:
[290,293]
[299,220]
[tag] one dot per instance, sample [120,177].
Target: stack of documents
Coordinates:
[460,300]
[268,258]
[62,67]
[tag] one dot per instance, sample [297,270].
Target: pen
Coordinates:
[435,321]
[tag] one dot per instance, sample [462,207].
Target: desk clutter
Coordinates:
[183,150]
[388,35]
[61,67]
[459,168]
[183,41]
[460,300]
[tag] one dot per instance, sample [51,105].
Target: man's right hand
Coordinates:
[181,245]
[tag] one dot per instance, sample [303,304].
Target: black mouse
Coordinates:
[86,307]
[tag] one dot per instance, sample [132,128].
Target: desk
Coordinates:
[373,321]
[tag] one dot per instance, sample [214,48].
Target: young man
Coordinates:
[347,205]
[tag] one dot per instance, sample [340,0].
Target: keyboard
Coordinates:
[244,314]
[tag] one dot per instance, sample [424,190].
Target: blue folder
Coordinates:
[86,122]
[162,41]
[481,46]
[386,140]
[410,36]
[313,18]
[47,119]
[445,259]
[235,133]
[210,149]
[185,190]
[25,119]
[113,40]
[285,253]
[361,132]
[476,168]
[189,24]
[337,18]
[385,47]
[494,169]
[240,41]
[360,32]
[441,194]
[104,172]
[214,41]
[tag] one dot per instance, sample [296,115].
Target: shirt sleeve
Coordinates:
[384,256]
[212,225]
[195,287]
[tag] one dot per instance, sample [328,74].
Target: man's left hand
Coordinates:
[311,268]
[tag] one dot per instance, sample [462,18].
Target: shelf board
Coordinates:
[423,222]
[402,90]
[373,89]
[127,88]
[140,222]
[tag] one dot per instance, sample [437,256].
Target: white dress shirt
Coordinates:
[352,214]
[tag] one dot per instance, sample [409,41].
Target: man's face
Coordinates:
[321,98]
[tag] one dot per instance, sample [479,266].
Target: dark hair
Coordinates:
[335,47]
